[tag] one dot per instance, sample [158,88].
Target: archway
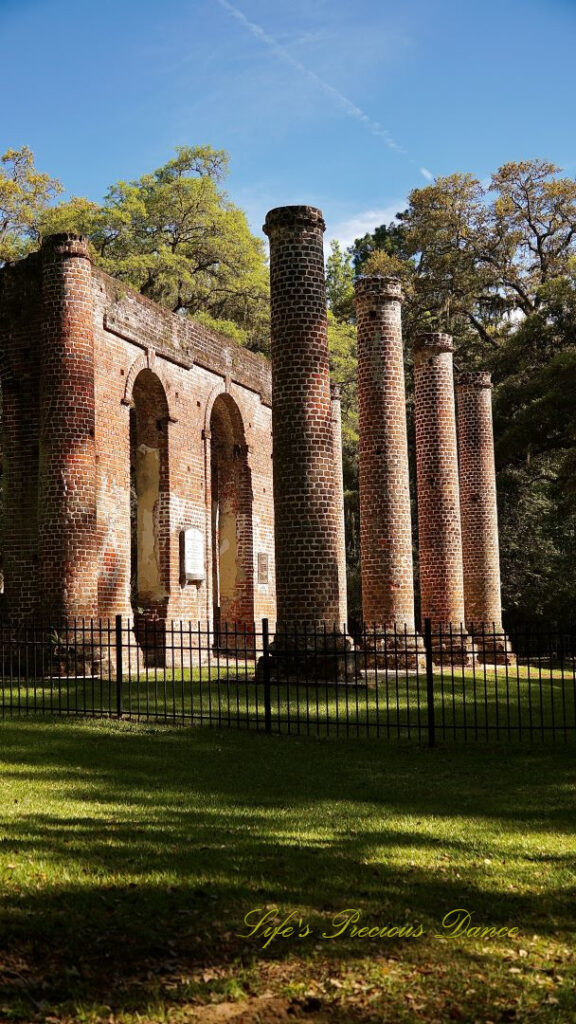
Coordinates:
[149,488]
[232,535]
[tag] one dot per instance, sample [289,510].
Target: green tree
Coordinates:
[176,237]
[340,283]
[25,193]
[387,238]
[535,427]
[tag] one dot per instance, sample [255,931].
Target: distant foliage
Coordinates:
[24,195]
[175,236]
[495,266]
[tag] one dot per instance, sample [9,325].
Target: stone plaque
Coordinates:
[262,567]
[192,568]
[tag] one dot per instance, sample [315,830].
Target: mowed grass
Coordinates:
[131,855]
[520,702]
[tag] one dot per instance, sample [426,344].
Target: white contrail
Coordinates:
[343,102]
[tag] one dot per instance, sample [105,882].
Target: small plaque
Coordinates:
[192,556]
[262,567]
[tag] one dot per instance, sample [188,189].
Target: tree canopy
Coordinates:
[494,264]
[176,237]
[24,194]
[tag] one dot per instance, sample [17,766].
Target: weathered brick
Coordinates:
[385,522]
[439,533]
[479,513]
[78,350]
[307,513]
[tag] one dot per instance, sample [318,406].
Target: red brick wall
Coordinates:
[307,522]
[478,500]
[439,533]
[20,345]
[385,523]
[195,367]
[67,565]
[52,311]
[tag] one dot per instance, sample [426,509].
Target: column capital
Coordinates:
[473,380]
[65,244]
[377,289]
[434,341]
[295,218]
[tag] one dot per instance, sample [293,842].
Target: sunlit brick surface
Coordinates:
[67,548]
[385,524]
[306,514]
[74,343]
[439,533]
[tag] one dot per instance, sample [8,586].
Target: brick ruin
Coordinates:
[139,476]
[137,453]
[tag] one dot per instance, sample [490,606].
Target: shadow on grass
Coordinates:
[148,847]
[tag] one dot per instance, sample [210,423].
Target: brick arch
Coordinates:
[149,459]
[231,515]
[143,362]
[218,389]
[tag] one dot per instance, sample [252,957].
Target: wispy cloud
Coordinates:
[426,174]
[345,104]
[346,231]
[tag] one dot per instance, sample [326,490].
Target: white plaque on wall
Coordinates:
[192,555]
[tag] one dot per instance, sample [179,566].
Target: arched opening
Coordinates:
[149,487]
[232,537]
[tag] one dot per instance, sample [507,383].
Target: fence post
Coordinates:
[429,682]
[266,671]
[119,665]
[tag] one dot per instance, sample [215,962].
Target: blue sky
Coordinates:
[342,104]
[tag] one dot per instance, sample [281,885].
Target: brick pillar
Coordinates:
[439,534]
[305,514]
[68,566]
[479,515]
[339,499]
[385,523]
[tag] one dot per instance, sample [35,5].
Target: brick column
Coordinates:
[439,533]
[339,499]
[306,516]
[385,523]
[479,515]
[68,566]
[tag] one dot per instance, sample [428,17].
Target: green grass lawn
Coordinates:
[130,856]
[480,703]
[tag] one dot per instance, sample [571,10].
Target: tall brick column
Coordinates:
[306,516]
[339,499]
[68,567]
[385,524]
[439,533]
[479,515]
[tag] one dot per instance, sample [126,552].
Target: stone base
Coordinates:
[313,658]
[395,652]
[458,649]
[493,649]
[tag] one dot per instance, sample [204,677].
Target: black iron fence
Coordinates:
[441,685]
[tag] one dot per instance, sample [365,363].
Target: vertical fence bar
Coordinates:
[119,666]
[266,672]
[430,683]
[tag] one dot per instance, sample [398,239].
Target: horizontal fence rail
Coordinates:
[445,685]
